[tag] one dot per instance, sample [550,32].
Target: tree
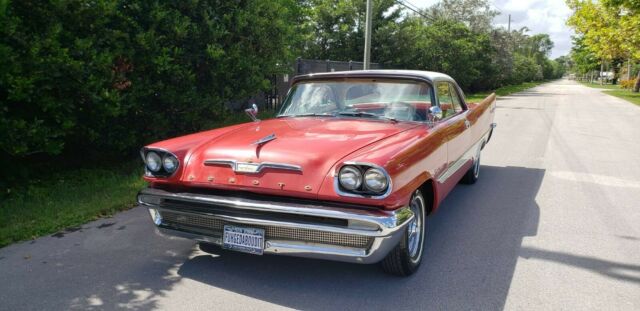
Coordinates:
[585,60]
[334,29]
[445,46]
[602,30]
[629,13]
[475,14]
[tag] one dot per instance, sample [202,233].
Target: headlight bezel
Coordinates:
[162,172]
[362,191]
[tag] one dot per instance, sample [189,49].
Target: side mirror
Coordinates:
[253,112]
[436,113]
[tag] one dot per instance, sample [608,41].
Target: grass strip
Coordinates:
[504,90]
[67,200]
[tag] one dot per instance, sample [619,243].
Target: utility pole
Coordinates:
[367,37]
[509,24]
[601,70]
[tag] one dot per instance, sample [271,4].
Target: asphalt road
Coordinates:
[553,223]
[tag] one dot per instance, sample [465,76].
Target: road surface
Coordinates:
[552,224]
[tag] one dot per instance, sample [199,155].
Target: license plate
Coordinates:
[243,239]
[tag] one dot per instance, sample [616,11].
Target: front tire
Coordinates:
[406,257]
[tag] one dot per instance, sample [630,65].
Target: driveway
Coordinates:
[553,223]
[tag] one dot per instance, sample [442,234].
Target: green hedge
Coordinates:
[110,75]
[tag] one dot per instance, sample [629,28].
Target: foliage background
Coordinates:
[86,81]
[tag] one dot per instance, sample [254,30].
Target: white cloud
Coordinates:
[540,16]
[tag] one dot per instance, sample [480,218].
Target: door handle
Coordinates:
[467,124]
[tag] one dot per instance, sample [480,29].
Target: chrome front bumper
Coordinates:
[315,230]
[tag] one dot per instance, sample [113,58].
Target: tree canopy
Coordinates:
[608,30]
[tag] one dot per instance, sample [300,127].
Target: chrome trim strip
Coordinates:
[336,182]
[265,139]
[467,155]
[234,165]
[379,249]
[386,221]
[231,163]
[276,223]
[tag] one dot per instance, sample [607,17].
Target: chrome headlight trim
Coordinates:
[361,194]
[163,172]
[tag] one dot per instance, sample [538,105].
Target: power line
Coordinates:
[412,7]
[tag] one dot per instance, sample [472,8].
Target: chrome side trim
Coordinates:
[234,165]
[456,165]
[461,161]
[336,182]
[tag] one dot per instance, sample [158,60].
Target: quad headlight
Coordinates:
[375,180]
[362,179]
[350,177]
[169,163]
[159,163]
[153,161]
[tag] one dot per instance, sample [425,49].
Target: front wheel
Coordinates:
[406,257]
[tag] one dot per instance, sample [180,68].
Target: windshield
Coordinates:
[401,100]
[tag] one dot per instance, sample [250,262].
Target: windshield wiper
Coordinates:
[307,115]
[366,114]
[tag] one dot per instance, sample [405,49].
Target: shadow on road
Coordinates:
[620,271]
[474,241]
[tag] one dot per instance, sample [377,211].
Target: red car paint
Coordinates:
[411,152]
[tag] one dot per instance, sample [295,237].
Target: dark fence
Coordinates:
[280,83]
[306,66]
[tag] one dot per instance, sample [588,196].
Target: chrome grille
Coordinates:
[215,227]
[209,223]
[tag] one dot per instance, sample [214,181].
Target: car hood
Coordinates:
[311,144]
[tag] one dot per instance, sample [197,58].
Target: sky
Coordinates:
[540,16]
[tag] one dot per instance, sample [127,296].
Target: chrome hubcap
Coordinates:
[415,227]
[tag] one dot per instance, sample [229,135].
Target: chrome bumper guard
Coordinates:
[341,233]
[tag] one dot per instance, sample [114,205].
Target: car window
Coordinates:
[448,99]
[455,99]
[399,99]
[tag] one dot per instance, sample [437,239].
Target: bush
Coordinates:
[110,75]
[627,84]
[525,69]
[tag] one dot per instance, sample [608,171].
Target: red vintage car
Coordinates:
[348,170]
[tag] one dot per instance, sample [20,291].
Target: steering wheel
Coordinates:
[400,110]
